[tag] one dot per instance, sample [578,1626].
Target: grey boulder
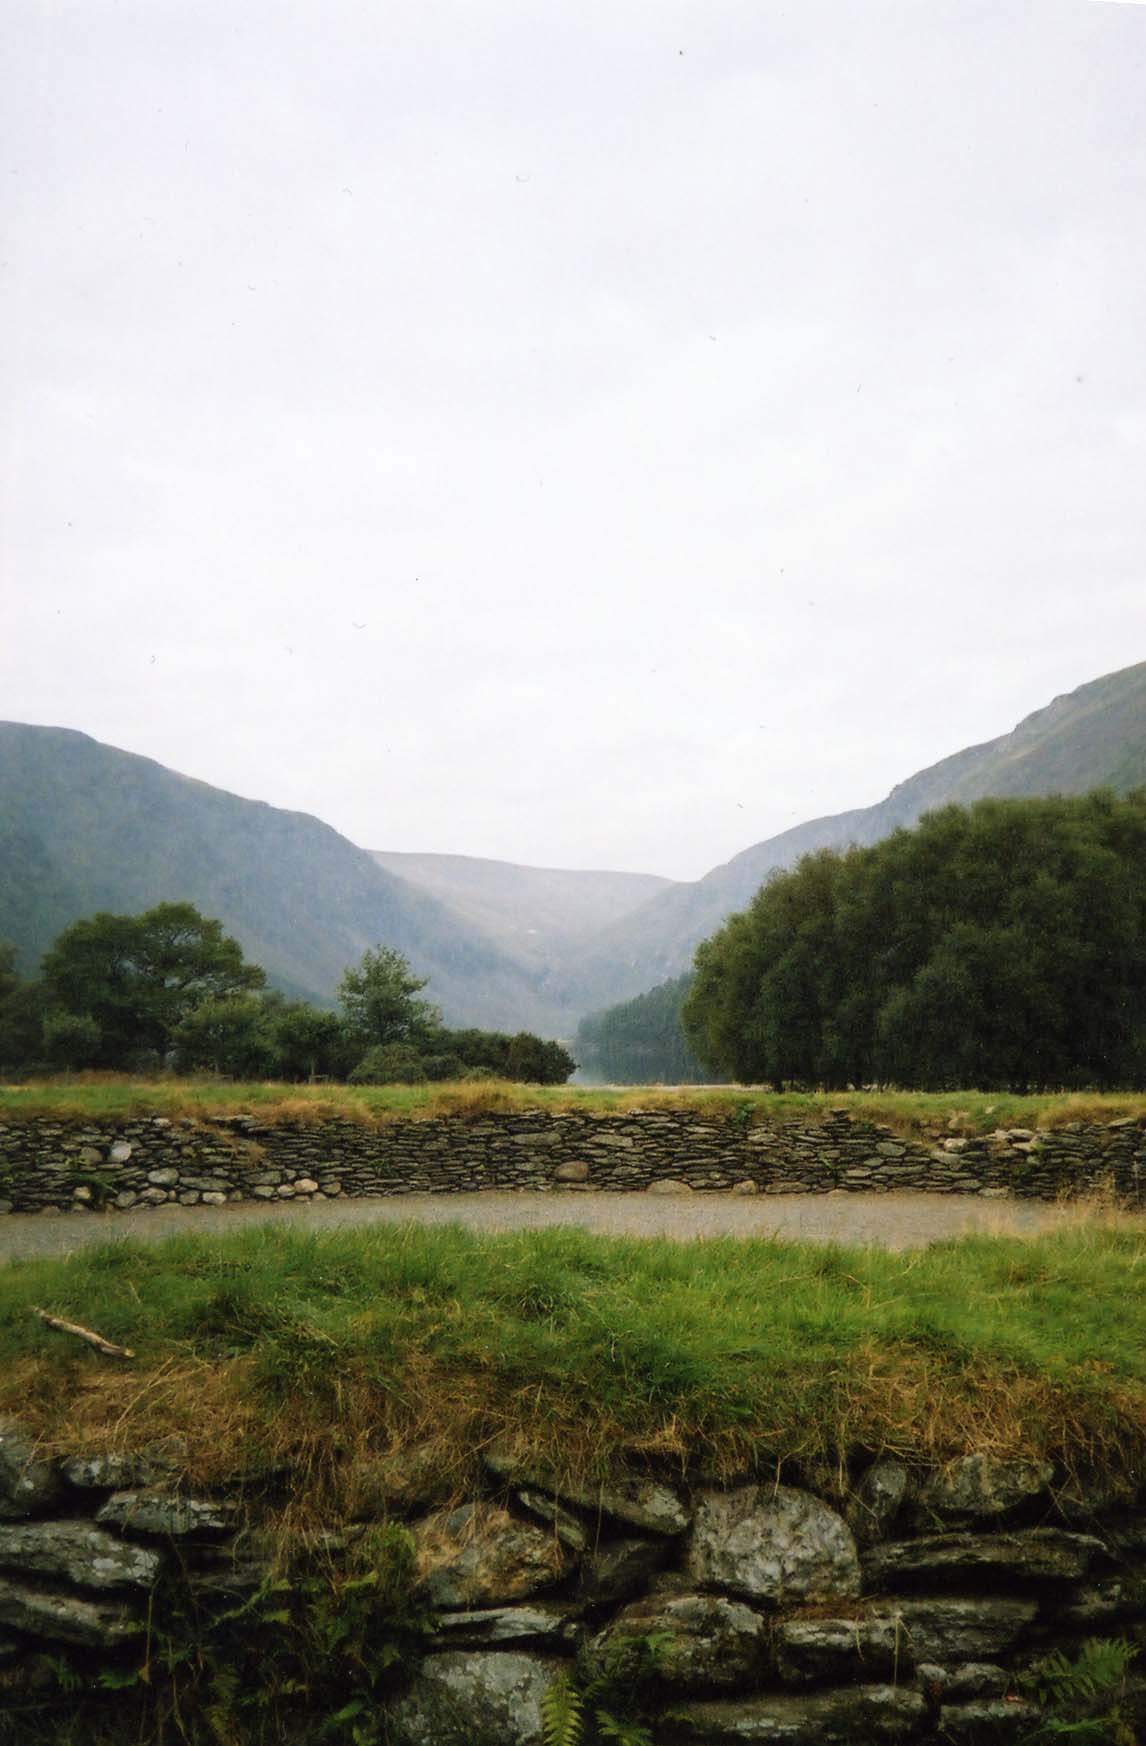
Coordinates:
[462,1699]
[774,1544]
[480,1556]
[66,1618]
[1032,1555]
[77,1551]
[984,1722]
[947,1628]
[982,1486]
[544,1625]
[877,1500]
[166,1515]
[832,1718]
[829,1651]
[707,1642]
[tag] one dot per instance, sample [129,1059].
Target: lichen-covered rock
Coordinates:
[570,1529]
[28,1484]
[619,1569]
[946,1628]
[877,1500]
[67,1618]
[772,1543]
[480,1556]
[576,1170]
[166,1515]
[982,1486]
[125,1470]
[77,1551]
[830,1718]
[988,1720]
[469,1699]
[645,1504]
[552,1625]
[830,1651]
[1033,1555]
[707,1642]
[976,1679]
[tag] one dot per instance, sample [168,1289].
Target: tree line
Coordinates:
[169,989]
[1001,946]
[640,1041]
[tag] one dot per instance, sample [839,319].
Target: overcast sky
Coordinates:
[594,433]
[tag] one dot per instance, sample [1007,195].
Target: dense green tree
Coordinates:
[640,1042]
[70,1040]
[140,976]
[1002,945]
[379,999]
[21,1013]
[228,1034]
[536,1062]
[309,1043]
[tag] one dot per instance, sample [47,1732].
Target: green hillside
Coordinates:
[1094,737]
[85,827]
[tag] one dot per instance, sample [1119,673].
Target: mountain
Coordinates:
[1094,737]
[84,827]
[535,914]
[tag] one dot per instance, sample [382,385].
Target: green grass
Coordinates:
[322,1351]
[90,1096]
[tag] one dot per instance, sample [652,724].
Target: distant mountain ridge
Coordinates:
[85,826]
[1093,737]
[535,913]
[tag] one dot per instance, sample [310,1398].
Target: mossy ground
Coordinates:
[321,1352]
[289,1364]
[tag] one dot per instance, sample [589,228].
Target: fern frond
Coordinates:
[562,1713]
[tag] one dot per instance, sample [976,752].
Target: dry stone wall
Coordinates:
[906,1607]
[137,1164]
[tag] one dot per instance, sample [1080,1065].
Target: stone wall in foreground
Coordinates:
[907,1607]
[136,1164]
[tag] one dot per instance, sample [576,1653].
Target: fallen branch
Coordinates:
[107,1347]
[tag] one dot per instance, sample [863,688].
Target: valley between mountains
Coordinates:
[85,826]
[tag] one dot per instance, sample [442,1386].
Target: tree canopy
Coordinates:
[137,977]
[999,946]
[169,988]
[379,1000]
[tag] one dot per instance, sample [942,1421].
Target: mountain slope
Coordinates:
[84,826]
[1090,738]
[532,913]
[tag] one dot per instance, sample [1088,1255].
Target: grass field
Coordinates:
[322,1353]
[110,1095]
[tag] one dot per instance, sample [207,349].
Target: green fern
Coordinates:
[622,1733]
[563,1713]
[1080,1699]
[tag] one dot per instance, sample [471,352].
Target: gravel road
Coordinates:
[894,1221]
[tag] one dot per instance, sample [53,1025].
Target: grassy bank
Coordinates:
[323,1353]
[89,1096]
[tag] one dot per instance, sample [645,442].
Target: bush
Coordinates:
[389,1064]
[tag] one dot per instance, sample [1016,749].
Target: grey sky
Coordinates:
[710,412]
